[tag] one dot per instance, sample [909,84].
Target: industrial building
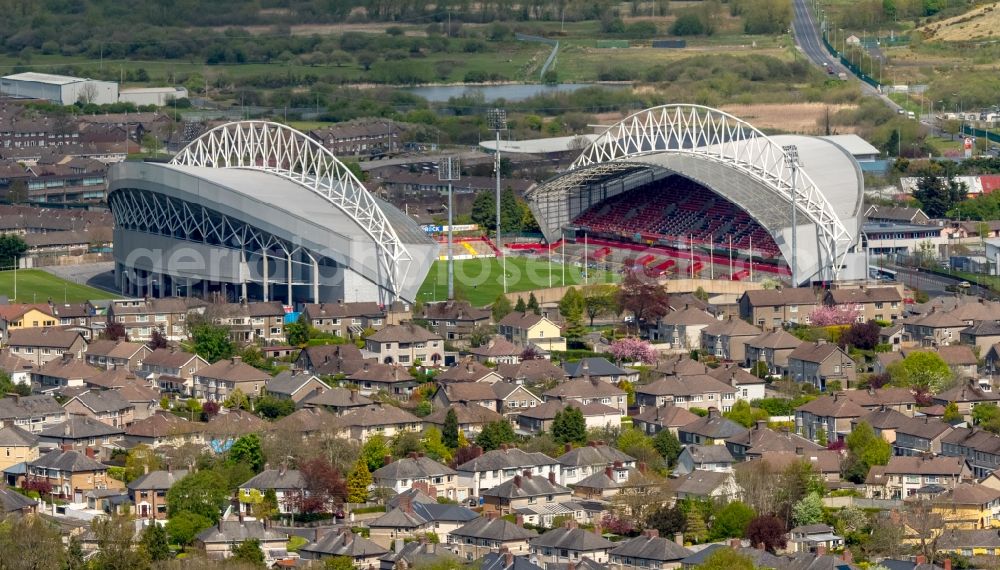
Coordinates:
[61,89]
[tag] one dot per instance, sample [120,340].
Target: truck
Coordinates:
[842,75]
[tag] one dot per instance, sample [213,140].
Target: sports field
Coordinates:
[37,286]
[480,281]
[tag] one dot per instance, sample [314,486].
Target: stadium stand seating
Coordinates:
[677,209]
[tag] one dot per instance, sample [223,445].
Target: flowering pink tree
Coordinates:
[825,316]
[632,349]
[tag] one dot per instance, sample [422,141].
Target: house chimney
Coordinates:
[568,447]
[398,545]
[735,543]
[552,477]
[386,459]
[848,557]
[651,533]
[713,412]
[517,481]
[91,453]
[364,367]
[821,550]
[761,424]
[406,504]
[642,466]
[799,450]
[519,520]
[508,558]
[679,538]
[921,559]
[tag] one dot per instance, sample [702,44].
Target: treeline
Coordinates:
[872,13]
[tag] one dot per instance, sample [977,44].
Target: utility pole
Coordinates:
[449,170]
[497,120]
[792,161]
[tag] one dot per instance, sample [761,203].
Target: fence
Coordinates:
[847,63]
[861,503]
[980,133]
[551,42]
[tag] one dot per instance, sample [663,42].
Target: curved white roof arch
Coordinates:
[292,155]
[716,136]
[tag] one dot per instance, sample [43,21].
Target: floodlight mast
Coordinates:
[792,161]
[497,119]
[449,170]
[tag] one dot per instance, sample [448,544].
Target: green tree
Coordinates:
[338,563]
[533,305]
[12,247]
[204,493]
[808,510]
[140,459]
[248,451]
[358,482]
[598,300]
[695,528]
[297,333]
[374,452]
[520,306]
[212,342]
[865,449]
[450,434]
[156,542]
[33,543]
[569,426]
[731,521]
[116,550]
[501,308]
[821,437]
[667,444]
[268,507]
[237,400]
[743,414]
[922,371]
[571,309]
[434,445]
[185,526]
[951,413]
[938,195]
[727,559]
[495,434]
[272,408]
[249,552]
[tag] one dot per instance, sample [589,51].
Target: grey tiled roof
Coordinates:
[79,427]
[593,455]
[494,529]
[344,543]
[276,479]
[157,480]
[412,468]
[594,366]
[651,548]
[238,531]
[14,436]
[71,461]
[573,539]
[505,459]
[289,382]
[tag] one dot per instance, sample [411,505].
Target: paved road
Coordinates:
[99,275]
[933,284]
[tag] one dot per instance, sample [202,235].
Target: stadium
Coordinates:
[259,211]
[686,185]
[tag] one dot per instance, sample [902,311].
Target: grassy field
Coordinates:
[37,286]
[480,280]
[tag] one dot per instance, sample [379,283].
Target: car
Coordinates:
[964,284]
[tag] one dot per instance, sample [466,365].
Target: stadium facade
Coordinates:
[620,177]
[260,211]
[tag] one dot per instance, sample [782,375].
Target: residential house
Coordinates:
[585,391]
[820,363]
[330,359]
[513,398]
[712,429]
[901,400]
[141,317]
[106,406]
[149,492]
[604,484]
[16,367]
[468,371]
[682,328]
[894,336]
[652,421]
[703,458]
[359,424]
[71,474]
[982,335]
[84,434]
[525,329]
[896,214]
[979,448]
[305,422]
[817,538]
[534,371]
[40,345]
[769,309]
[347,320]
[595,415]
[968,506]
[294,385]
[698,391]
[336,400]
[967,395]
[705,485]
[771,349]
[920,436]
[601,369]
[885,422]
[961,359]
[218,540]
[831,415]
[406,345]
[870,303]
[648,551]
[488,534]
[571,545]
[437,479]
[824,462]
[680,365]
[466,393]
[31,413]
[582,462]
[375,377]
[410,517]
[969,543]
[760,440]
[24,316]
[472,418]
[498,350]
[172,370]
[289,488]
[65,372]
[936,328]
[331,542]
[110,353]
[454,321]
[162,429]
[261,322]
[499,466]
[14,503]
[523,491]
[75,314]
[748,387]
[727,339]
[218,381]
[903,476]
[17,445]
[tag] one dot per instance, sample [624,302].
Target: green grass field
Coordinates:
[480,280]
[37,286]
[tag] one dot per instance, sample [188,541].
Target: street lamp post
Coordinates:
[449,170]
[497,119]
[792,161]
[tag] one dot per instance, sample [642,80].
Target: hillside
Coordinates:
[982,23]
